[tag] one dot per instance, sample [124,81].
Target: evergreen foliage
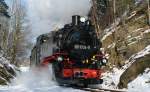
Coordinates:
[4,8]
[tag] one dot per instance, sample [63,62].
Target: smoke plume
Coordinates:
[47,15]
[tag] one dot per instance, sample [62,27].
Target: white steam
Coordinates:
[47,15]
[35,80]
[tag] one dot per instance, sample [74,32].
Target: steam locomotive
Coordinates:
[74,52]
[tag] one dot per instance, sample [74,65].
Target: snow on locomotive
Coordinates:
[73,51]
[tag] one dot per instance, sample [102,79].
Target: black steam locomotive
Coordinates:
[73,51]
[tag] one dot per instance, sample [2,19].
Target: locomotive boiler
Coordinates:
[74,52]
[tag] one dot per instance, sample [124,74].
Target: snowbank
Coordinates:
[141,83]
[111,79]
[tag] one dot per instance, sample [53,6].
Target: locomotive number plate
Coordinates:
[83,47]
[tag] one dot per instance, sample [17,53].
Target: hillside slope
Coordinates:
[7,70]
[125,33]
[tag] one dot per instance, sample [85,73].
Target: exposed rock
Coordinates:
[124,31]
[134,70]
[7,71]
[3,81]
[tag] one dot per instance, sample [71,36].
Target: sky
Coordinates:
[10,1]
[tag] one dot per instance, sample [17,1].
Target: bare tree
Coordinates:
[148,11]
[18,32]
[4,25]
[95,17]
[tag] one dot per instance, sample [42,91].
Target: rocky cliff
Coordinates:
[124,35]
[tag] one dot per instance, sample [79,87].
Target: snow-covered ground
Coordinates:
[35,81]
[141,83]
[111,79]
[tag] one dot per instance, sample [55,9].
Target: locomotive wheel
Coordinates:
[58,76]
[85,85]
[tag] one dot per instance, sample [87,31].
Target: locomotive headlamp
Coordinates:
[82,19]
[44,40]
[104,61]
[94,57]
[87,61]
[60,59]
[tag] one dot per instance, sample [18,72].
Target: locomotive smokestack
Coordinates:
[75,20]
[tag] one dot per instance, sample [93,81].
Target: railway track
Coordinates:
[101,90]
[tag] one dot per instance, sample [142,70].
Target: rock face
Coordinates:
[134,70]
[124,31]
[7,71]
